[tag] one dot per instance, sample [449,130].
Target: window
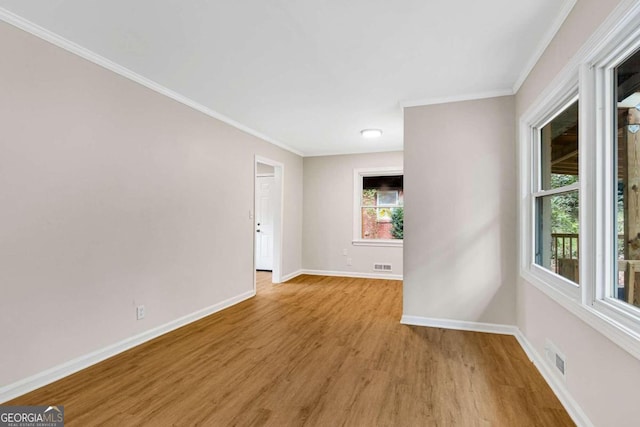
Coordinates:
[378,207]
[387,202]
[616,180]
[555,198]
[626,180]
[580,185]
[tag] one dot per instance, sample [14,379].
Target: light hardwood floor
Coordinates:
[315,351]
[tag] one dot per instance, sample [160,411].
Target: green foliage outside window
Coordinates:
[376,220]
[397,221]
[565,207]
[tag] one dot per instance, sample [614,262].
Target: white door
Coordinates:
[264,222]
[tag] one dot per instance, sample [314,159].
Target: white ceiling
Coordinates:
[308,75]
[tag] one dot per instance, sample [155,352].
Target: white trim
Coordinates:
[552,103]
[616,332]
[609,40]
[522,77]
[558,386]
[544,43]
[354,152]
[379,242]
[604,58]
[381,171]
[48,376]
[625,14]
[460,325]
[278,224]
[353,274]
[290,276]
[53,38]
[358,174]
[456,98]
[566,189]
[621,15]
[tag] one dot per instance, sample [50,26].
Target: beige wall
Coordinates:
[460,211]
[583,20]
[601,377]
[328,215]
[113,195]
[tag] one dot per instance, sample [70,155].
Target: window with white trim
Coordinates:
[555,198]
[580,186]
[625,151]
[378,206]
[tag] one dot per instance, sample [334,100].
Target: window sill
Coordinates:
[378,242]
[625,337]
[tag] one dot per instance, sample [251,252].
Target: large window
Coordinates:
[580,186]
[626,203]
[378,206]
[556,197]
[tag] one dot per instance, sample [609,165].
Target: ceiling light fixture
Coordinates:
[371,133]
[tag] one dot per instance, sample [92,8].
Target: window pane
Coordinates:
[557,234]
[382,216]
[382,223]
[627,191]
[559,150]
[387,198]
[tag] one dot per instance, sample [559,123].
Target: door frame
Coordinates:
[278,208]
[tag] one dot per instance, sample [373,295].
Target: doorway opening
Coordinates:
[268,198]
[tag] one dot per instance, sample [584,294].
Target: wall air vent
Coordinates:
[555,358]
[382,267]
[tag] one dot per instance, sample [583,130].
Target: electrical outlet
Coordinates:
[344,252]
[349,261]
[140,312]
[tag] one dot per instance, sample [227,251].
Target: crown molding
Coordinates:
[544,43]
[57,40]
[355,152]
[456,98]
[530,64]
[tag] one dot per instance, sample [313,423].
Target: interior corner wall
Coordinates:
[113,195]
[460,211]
[600,376]
[328,216]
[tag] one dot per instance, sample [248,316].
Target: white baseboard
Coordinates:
[555,382]
[461,325]
[43,378]
[354,274]
[557,385]
[290,276]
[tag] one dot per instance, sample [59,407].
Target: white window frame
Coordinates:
[358,174]
[386,205]
[600,74]
[564,285]
[589,75]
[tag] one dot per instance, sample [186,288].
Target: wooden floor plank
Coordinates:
[315,351]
